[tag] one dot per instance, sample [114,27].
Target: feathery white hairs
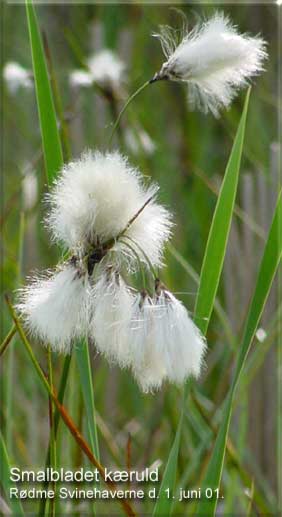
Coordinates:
[107,217]
[213,58]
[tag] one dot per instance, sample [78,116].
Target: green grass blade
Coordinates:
[53,157]
[84,368]
[11,352]
[269,264]
[14,503]
[219,231]
[165,500]
[48,122]
[218,309]
[209,279]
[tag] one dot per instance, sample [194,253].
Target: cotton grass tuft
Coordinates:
[214,59]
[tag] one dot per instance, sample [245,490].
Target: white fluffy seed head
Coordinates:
[180,341]
[146,359]
[54,307]
[106,70]
[165,343]
[214,59]
[112,303]
[146,236]
[94,200]
[16,77]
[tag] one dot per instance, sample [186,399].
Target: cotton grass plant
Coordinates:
[109,292]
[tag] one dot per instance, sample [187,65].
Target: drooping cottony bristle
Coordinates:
[214,59]
[54,307]
[146,359]
[165,343]
[112,304]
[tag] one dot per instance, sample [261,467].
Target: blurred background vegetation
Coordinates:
[187,155]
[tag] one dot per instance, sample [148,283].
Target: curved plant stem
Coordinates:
[129,100]
[7,339]
[138,261]
[144,255]
[61,394]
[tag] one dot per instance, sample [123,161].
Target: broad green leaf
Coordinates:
[84,368]
[219,231]
[269,264]
[210,275]
[48,122]
[13,503]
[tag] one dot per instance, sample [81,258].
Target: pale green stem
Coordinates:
[53,453]
[125,107]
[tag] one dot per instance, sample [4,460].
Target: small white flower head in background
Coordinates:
[214,59]
[17,77]
[105,69]
[100,196]
[54,306]
[80,78]
[261,335]
[139,141]
[30,189]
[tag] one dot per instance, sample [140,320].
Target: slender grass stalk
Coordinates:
[84,367]
[61,394]
[50,136]
[251,500]
[269,264]
[233,457]
[218,309]
[64,414]
[219,231]
[7,340]
[128,102]
[15,503]
[169,477]
[53,453]
[238,211]
[57,101]
[10,354]
[211,272]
